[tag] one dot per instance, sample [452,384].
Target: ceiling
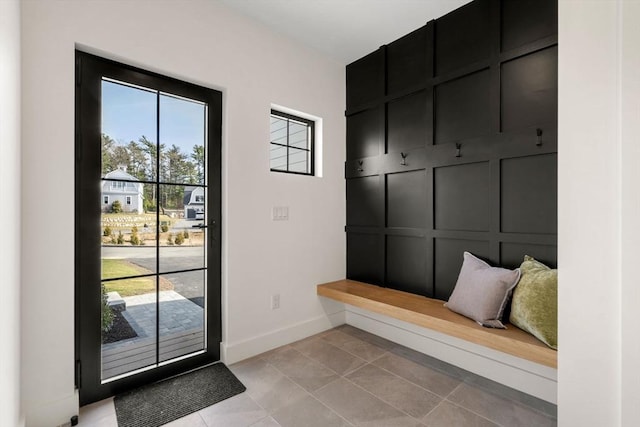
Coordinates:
[344,29]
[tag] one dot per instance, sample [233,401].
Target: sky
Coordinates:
[130,112]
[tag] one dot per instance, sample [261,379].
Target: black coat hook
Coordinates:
[403,162]
[458,147]
[539,134]
[360,169]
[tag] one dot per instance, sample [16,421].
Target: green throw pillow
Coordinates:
[535,302]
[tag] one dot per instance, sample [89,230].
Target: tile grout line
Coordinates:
[285,376]
[202,418]
[382,400]
[497,395]
[296,383]
[260,420]
[357,339]
[337,348]
[249,396]
[326,406]
[304,390]
[462,383]
[325,366]
[324,386]
[417,385]
[306,357]
[475,413]
[443,399]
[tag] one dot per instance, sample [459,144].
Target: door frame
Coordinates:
[89,71]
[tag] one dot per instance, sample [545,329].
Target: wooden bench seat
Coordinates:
[431,313]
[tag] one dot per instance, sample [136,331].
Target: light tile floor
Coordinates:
[348,377]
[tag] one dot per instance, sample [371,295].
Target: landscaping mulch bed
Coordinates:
[120,330]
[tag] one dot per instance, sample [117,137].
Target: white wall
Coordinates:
[10,217]
[630,209]
[206,43]
[599,189]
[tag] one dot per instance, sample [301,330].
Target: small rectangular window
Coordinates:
[128,200]
[291,144]
[105,200]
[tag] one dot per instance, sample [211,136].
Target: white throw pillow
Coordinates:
[482,291]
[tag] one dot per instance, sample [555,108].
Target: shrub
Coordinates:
[116,207]
[170,239]
[107,231]
[114,241]
[120,239]
[107,313]
[149,206]
[135,239]
[179,239]
[185,233]
[164,228]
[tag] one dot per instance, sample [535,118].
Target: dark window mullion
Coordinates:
[288,152]
[300,149]
[310,159]
[278,144]
[157,184]
[139,276]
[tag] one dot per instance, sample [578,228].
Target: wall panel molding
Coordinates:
[457,120]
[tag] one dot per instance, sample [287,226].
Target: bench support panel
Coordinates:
[530,378]
[511,357]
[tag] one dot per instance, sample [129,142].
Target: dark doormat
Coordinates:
[156,404]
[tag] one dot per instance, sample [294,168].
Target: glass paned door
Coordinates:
[153,252]
[147,196]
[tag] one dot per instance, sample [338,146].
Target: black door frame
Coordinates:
[89,71]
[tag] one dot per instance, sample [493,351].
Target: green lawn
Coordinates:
[114,268]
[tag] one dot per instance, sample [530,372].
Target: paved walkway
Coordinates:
[177,314]
[181,326]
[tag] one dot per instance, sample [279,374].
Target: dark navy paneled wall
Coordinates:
[452,147]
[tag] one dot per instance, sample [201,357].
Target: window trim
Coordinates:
[311,124]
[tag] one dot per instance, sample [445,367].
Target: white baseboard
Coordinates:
[235,352]
[52,413]
[531,378]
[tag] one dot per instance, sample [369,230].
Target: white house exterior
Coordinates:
[129,194]
[194,203]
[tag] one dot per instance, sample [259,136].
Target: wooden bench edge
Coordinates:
[528,348]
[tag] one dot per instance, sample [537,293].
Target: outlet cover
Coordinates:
[275,302]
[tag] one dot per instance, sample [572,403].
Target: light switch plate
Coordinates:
[280,213]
